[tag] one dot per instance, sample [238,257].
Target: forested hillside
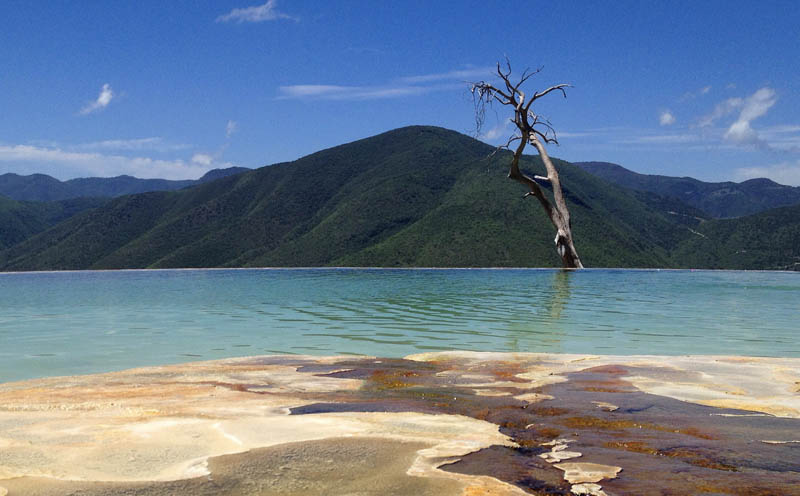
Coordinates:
[416,196]
[21,220]
[719,200]
[43,188]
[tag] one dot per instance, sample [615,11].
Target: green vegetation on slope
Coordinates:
[17,222]
[21,220]
[43,188]
[720,200]
[768,240]
[416,196]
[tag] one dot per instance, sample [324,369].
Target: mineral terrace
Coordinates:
[453,423]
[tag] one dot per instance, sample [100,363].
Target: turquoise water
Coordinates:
[80,322]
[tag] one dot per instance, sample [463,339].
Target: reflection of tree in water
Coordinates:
[542,332]
[559,294]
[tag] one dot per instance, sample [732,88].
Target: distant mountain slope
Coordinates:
[215,174]
[672,208]
[21,220]
[767,240]
[421,196]
[720,200]
[416,196]
[40,187]
[17,222]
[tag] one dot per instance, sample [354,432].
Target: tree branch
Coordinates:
[546,138]
[558,87]
[537,131]
[507,146]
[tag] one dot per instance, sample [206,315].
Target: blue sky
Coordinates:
[171,89]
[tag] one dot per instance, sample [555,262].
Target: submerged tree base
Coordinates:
[533,129]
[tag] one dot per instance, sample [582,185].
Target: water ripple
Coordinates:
[95,321]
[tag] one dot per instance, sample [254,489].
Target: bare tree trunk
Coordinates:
[526,122]
[558,213]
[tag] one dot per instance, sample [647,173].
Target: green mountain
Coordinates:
[416,196]
[43,188]
[419,196]
[767,240]
[719,200]
[21,220]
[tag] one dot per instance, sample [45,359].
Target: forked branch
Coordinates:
[537,131]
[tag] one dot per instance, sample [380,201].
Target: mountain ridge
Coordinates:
[338,205]
[44,188]
[415,196]
[720,200]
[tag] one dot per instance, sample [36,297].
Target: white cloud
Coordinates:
[663,139]
[721,110]
[691,95]
[750,108]
[741,132]
[758,104]
[154,143]
[730,125]
[783,173]
[256,13]
[303,90]
[501,130]
[578,134]
[230,128]
[783,129]
[129,144]
[462,74]
[666,118]
[405,86]
[336,92]
[102,101]
[754,106]
[202,159]
[782,138]
[104,165]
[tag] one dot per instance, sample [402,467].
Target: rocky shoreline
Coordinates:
[459,423]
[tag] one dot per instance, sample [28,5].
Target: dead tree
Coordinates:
[534,130]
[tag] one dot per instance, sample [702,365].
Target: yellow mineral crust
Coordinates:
[164,423]
[767,385]
[579,473]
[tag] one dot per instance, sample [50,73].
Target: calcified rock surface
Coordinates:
[439,423]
